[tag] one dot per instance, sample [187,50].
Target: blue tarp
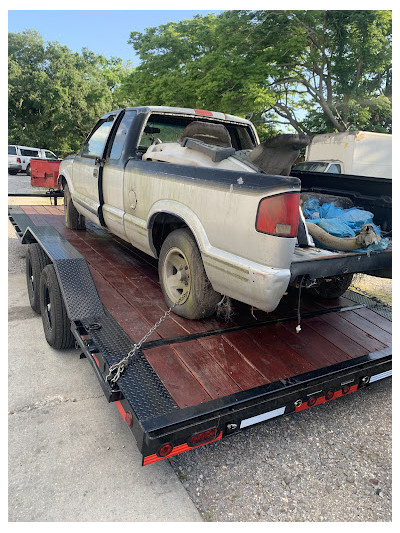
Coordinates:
[344,223]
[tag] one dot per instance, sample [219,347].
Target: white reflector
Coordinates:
[262,417]
[380,376]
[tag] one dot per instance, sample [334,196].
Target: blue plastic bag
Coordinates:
[343,223]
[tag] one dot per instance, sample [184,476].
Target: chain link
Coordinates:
[120,367]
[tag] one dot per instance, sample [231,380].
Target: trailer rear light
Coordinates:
[345,389]
[329,395]
[312,401]
[279,215]
[165,450]
[204,436]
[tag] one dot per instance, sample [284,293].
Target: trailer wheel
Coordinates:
[56,324]
[182,275]
[73,219]
[36,260]
[330,288]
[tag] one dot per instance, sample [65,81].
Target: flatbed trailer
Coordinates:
[196,381]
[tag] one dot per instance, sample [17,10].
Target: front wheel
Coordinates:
[330,288]
[183,278]
[73,219]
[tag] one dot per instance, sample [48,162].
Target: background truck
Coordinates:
[187,187]
[360,153]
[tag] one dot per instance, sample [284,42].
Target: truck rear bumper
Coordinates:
[256,285]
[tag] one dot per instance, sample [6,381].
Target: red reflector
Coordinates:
[165,450]
[203,112]
[329,395]
[279,215]
[128,418]
[312,401]
[204,436]
[345,389]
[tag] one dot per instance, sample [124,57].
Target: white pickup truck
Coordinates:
[189,187]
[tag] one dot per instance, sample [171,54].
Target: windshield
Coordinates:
[313,166]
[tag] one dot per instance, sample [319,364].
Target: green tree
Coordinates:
[55,96]
[307,70]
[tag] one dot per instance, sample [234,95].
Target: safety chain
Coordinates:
[119,367]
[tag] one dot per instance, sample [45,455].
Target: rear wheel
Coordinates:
[333,287]
[13,172]
[182,277]
[36,260]
[73,219]
[56,324]
[28,170]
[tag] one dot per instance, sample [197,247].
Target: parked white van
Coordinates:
[19,157]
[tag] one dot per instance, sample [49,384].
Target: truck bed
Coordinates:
[196,370]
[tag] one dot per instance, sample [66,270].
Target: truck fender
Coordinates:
[171,207]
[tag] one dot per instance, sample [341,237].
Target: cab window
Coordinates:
[12,150]
[95,143]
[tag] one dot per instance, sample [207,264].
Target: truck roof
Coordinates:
[188,111]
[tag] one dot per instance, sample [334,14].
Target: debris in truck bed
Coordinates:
[348,227]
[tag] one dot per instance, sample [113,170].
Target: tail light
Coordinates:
[18,160]
[279,215]
[165,450]
[201,438]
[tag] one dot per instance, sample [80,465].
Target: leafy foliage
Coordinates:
[56,96]
[309,70]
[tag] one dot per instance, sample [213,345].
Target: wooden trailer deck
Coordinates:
[207,359]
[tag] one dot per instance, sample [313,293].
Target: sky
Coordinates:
[104,32]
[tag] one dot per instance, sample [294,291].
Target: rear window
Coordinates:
[12,150]
[169,128]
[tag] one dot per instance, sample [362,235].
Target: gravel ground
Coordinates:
[330,463]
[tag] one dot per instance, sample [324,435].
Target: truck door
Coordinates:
[88,168]
[112,182]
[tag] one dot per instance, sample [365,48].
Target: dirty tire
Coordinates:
[181,271]
[56,324]
[73,219]
[36,260]
[332,287]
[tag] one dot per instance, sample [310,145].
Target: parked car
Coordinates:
[19,157]
[360,153]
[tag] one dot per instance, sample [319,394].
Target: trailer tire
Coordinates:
[333,287]
[73,219]
[56,324]
[181,270]
[36,260]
